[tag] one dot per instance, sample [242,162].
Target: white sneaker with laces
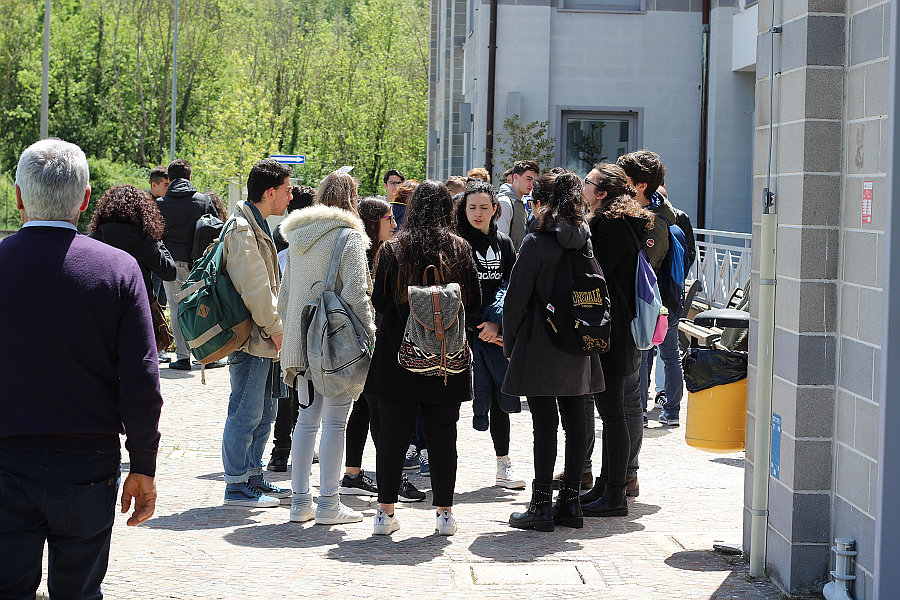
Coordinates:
[506,476]
[384,524]
[302,508]
[446,523]
[331,511]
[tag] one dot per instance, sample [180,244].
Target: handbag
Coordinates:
[161,330]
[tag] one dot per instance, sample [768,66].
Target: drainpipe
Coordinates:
[704,116]
[492,77]
[759,510]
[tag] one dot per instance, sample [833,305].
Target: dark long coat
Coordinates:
[536,366]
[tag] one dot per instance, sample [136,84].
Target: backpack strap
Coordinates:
[336,253]
[437,275]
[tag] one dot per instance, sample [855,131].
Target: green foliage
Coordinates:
[341,81]
[519,141]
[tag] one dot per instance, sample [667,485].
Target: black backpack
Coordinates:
[207,230]
[576,315]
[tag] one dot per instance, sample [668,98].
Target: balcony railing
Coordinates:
[722,265]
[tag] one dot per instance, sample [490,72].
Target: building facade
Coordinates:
[610,76]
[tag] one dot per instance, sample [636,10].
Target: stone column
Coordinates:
[806,178]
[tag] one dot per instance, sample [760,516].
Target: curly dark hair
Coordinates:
[371,211]
[560,198]
[620,196]
[475,186]
[428,238]
[131,206]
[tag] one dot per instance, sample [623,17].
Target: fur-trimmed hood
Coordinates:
[304,227]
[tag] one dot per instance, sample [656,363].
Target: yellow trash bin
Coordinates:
[717,418]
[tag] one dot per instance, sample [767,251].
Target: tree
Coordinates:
[525,142]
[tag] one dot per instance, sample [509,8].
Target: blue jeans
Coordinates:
[251,411]
[674,383]
[66,499]
[331,413]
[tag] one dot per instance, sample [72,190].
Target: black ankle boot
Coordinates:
[279,461]
[539,515]
[595,492]
[567,510]
[611,504]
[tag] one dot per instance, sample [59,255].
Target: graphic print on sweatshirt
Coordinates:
[490,264]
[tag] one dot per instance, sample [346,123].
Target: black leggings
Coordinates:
[397,422]
[546,413]
[499,429]
[616,440]
[363,418]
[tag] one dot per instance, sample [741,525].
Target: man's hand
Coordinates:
[277,340]
[143,489]
[489,331]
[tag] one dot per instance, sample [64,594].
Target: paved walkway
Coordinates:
[196,548]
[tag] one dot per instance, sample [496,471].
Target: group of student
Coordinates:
[503,289]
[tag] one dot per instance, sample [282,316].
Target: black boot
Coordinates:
[539,515]
[567,511]
[595,492]
[279,461]
[611,504]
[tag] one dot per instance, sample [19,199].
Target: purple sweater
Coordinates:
[78,362]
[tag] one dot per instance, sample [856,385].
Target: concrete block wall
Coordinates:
[829,118]
[860,288]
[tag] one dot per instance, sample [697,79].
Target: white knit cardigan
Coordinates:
[311,234]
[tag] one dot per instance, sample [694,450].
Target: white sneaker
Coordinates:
[331,511]
[302,508]
[506,477]
[446,523]
[384,524]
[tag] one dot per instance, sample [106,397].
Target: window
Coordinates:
[592,137]
[621,6]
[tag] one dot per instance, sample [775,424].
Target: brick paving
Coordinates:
[196,548]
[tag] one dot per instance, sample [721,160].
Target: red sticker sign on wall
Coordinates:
[867,202]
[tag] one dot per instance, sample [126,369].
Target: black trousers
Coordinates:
[66,499]
[285,419]
[546,414]
[363,418]
[499,429]
[616,439]
[397,422]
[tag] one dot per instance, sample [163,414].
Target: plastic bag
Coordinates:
[704,368]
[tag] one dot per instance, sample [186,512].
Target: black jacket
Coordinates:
[387,379]
[181,207]
[617,252]
[537,367]
[494,255]
[151,255]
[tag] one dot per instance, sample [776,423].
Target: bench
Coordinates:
[706,333]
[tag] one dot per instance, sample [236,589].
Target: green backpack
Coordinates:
[212,315]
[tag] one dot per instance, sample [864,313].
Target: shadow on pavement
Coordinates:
[167,373]
[210,517]
[698,560]
[285,535]
[524,544]
[384,550]
[486,494]
[731,462]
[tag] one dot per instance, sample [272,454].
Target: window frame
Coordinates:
[635,115]
[621,8]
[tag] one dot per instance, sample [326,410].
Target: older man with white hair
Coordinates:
[79,367]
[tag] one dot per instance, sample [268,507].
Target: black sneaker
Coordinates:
[182,364]
[408,492]
[361,485]
[259,483]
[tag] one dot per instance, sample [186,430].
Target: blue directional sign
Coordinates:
[289,159]
[775,458]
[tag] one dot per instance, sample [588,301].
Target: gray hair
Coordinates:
[52,176]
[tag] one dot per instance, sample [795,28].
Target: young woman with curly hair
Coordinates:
[555,381]
[618,225]
[427,238]
[128,219]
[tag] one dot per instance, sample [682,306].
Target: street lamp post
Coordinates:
[174,84]
[45,75]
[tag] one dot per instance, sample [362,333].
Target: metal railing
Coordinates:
[722,264]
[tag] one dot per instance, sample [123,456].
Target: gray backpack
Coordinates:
[335,346]
[434,340]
